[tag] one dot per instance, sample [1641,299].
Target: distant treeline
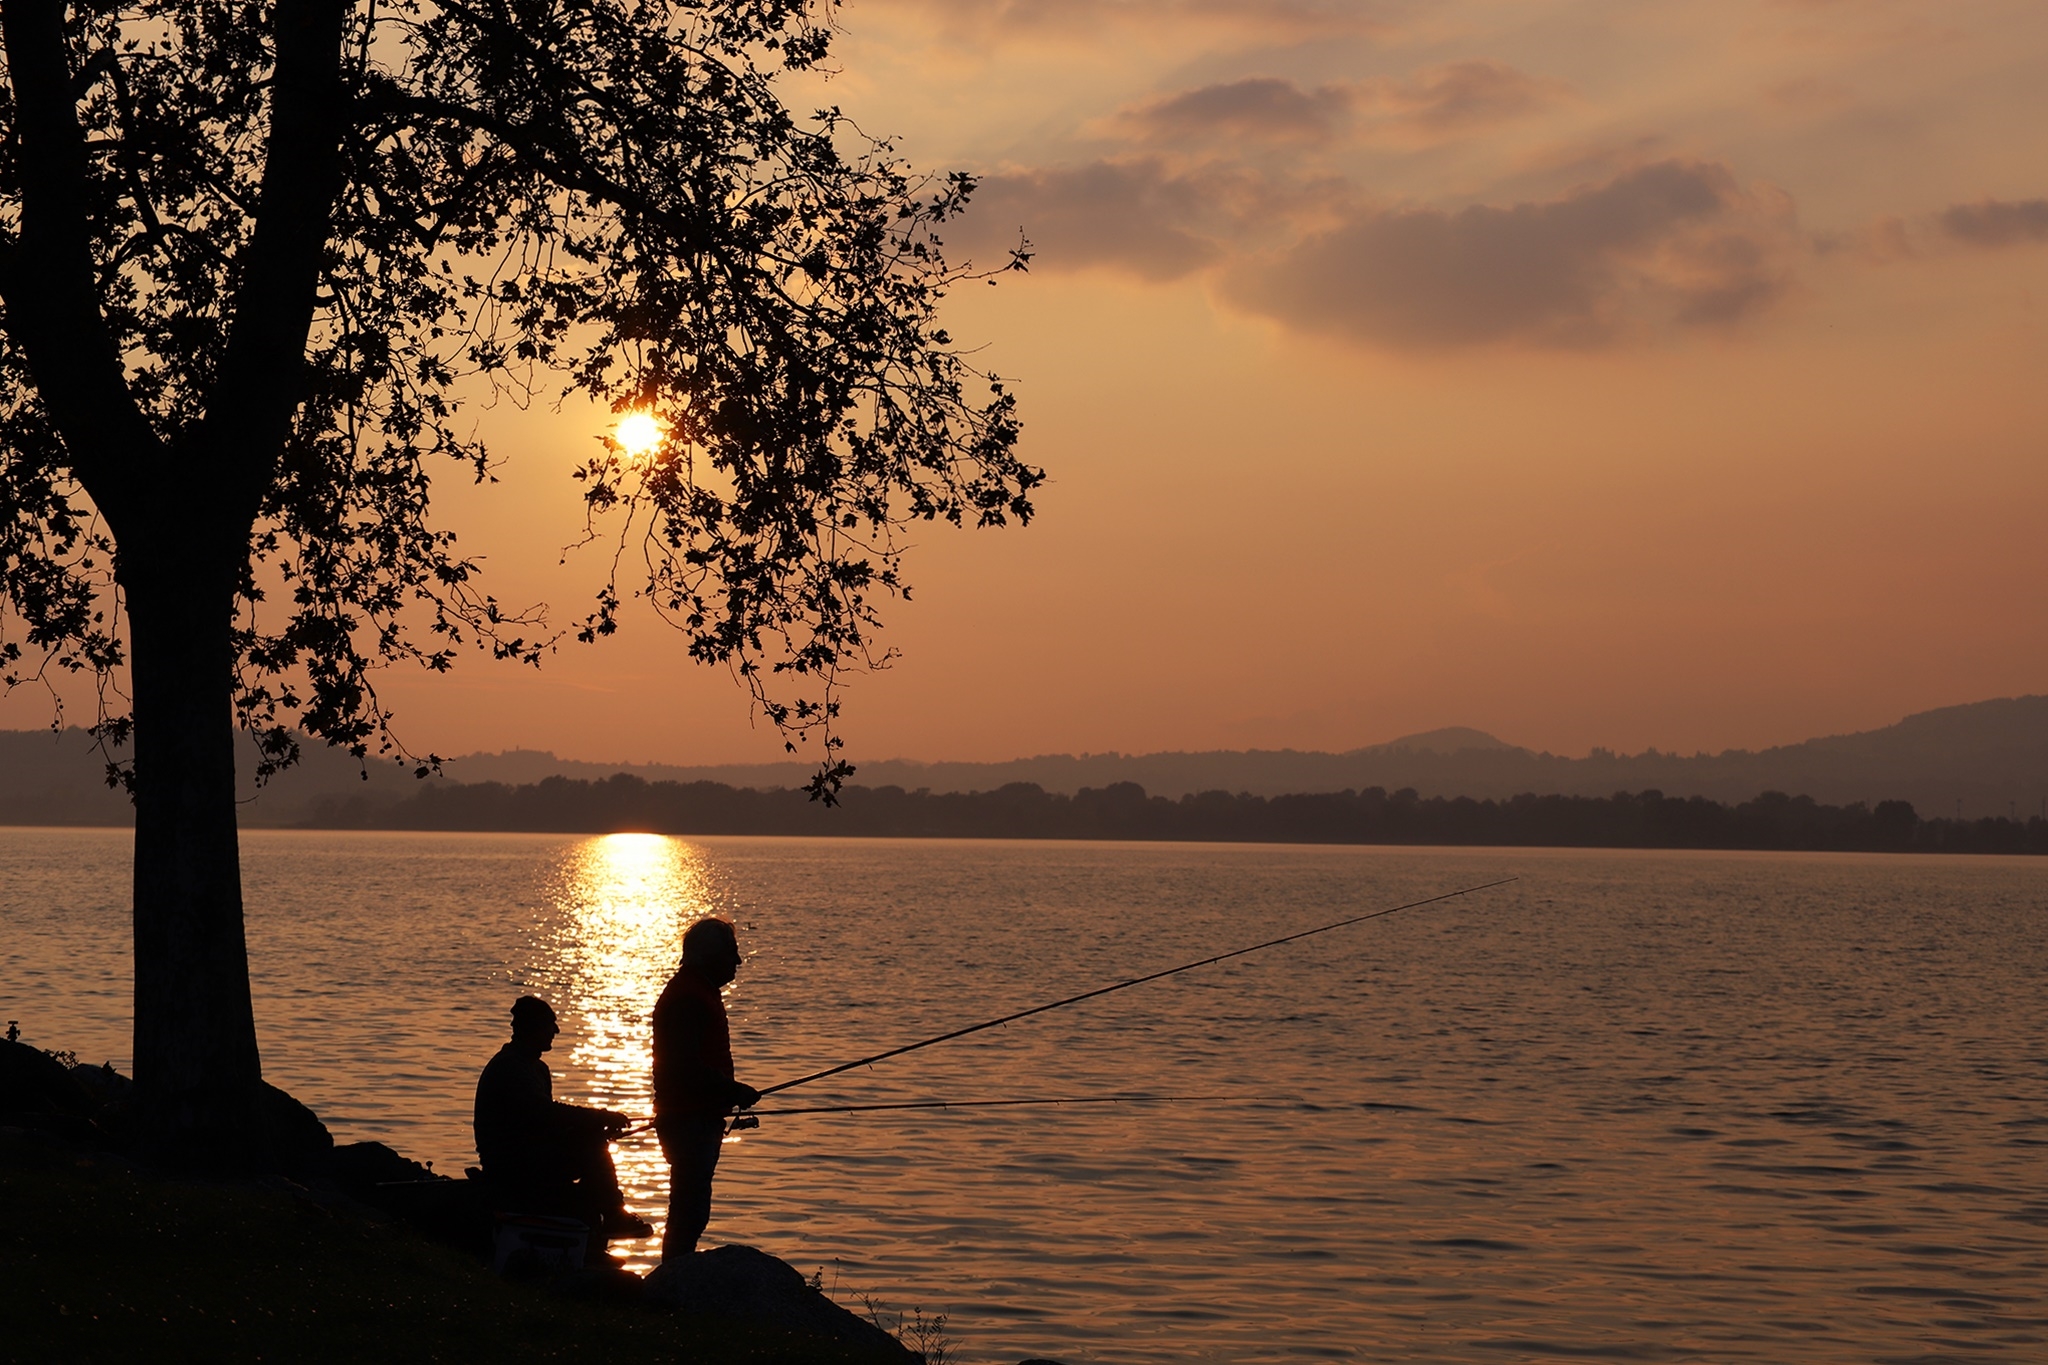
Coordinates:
[1123,811]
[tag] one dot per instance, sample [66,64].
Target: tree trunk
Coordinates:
[196,1067]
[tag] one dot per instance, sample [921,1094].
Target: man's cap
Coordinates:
[531,1009]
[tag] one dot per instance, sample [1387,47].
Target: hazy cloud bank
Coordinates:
[1674,242]
[1669,243]
[1136,216]
[1440,102]
[1987,225]
[987,23]
[1993,222]
[1262,107]
[1467,202]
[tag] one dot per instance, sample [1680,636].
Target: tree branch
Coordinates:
[262,377]
[531,142]
[48,280]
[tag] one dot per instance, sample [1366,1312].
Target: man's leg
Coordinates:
[603,1203]
[591,1166]
[692,1151]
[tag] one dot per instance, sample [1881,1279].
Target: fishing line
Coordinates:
[1126,985]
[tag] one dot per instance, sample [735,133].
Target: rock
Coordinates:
[741,1282]
[112,1093]
[103,1083]
[360,1167]
[39,1092]
[293,1139]
[90,1108]
[454,1212]
[258,1132]
[34,1084]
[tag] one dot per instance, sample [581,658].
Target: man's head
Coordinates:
[712,948]
[533,1023]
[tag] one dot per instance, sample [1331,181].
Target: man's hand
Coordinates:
[613,1122]
[743,1096]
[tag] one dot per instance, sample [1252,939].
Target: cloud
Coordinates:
[1808,96]
[1260,107]
[1672,243]
[984,22]
[1997,222]
[1885,240]
[1675,242]
[1135,215]
[1465,97]
[1437,103]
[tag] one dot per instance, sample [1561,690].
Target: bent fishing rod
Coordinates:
[1126,985]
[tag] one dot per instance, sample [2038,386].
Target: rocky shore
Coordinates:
[346,1252]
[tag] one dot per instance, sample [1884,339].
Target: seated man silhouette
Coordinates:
[539,1156]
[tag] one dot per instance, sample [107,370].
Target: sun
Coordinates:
[638,433]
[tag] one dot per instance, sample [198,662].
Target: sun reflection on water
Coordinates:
[622,902]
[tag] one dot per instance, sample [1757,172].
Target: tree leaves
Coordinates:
[536,198]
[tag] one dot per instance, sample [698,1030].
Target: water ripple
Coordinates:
[1637,1107]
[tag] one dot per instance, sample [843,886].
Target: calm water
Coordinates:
[1635,1107]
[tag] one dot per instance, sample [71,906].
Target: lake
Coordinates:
[1635,1106]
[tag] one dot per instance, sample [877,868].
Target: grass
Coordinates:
[924,1337]
[100,1263]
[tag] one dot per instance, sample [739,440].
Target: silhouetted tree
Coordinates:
[1895,822]
[253,257]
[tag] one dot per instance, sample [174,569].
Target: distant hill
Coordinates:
[57,778]
[1984,759]
[1990,756]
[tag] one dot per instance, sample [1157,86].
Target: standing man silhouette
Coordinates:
[694,1087]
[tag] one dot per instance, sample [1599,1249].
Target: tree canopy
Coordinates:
[256,259]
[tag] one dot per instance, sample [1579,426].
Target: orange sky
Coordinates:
[1590,373]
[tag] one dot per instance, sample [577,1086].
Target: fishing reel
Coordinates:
[740,1121]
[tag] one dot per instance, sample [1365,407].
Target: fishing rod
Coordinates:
[752,1118]
[1126,985]
[991,1104]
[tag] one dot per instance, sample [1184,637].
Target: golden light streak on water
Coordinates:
[622,902]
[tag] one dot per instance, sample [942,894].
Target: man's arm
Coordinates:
[685,1037]
[582,1118]
[717,1089]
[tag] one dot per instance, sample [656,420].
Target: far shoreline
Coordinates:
[1125,813]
